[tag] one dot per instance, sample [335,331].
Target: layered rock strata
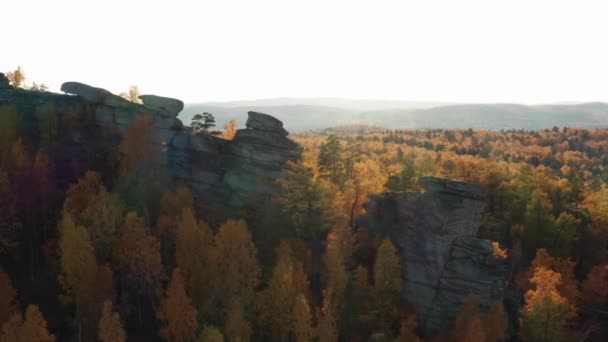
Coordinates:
[92,122]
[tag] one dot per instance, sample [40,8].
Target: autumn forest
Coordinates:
[116,250]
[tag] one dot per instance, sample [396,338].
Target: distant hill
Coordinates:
[321,113]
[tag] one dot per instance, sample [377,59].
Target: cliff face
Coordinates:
[442,260]
[92,122]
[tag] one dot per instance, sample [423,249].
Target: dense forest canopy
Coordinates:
[117,251]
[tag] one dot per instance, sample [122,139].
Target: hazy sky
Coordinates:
[467,51]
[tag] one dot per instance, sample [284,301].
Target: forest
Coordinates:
[108,254]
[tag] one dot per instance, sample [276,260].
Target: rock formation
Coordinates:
[442,259]
[93,121]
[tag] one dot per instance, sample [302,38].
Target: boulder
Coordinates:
[266,123]
[4,83]
[443,261]
[166,105]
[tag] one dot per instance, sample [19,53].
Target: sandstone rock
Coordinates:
[4,83]
[266,123]
[442,259]
[224,172]
[166,105]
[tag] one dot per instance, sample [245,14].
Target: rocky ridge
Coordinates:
[92,122]
[442,259]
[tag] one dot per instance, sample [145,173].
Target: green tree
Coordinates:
[539,222]
[330,160]
[307,202]
[387,282]
[201,123]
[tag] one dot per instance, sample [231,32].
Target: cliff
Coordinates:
[442,259]
[92,122]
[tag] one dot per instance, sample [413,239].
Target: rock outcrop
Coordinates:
[4,83]
[442,259]
[93,122]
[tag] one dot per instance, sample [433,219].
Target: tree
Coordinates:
[302,324]
[138,259]
[594,287]
[78,268]
[173,202]
[495,323]
[365,180]
[177,312]
[240,272]
[287,281]
[201,123]
[387,282]
[407,330]
[467,325]
[196,256]
[229,130]
[211,334]
[238,329]
[87,191]
[539,222]
[8,299]
[327,324]
[16,77]
[32,329]
[132,94]
[110,327]
[306,201]
[137,147]
[545,312]
[330,160]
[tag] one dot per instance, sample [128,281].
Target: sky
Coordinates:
[531,51]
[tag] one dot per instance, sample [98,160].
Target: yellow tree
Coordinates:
[8,299]
[32,329]
[16,77]
[367,178]
[171,205]
[78,268]
[229,130]
[302,321]
[288,280]
[545,312]
[240,271]
[132,94]
[137,145]
[138,259]
[195,256]
[495,323]
[467,325]
[211,334]
[176,312]
[110,327]
[238,328]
